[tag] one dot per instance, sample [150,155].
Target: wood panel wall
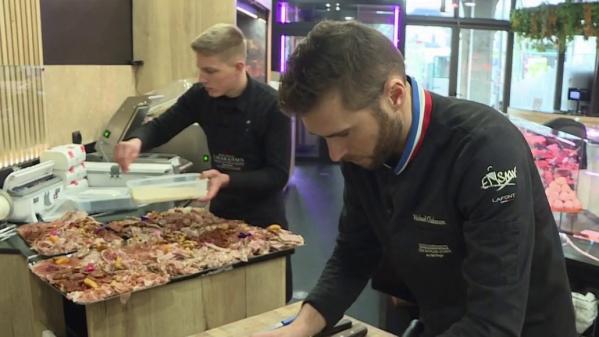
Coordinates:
[162,34]
[40,107]
[84,98]
[22,110]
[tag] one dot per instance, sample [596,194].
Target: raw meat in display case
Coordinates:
[557,156]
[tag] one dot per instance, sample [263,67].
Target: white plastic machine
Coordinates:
[95,187]
[32,192]
[107,189]
[37,194]
[107,174]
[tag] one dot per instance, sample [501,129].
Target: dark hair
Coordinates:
[348,57]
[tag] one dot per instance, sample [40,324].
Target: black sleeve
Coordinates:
[181,115]
[496,199]
[356,255]
[277,153]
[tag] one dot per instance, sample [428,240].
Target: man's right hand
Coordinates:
[127,152]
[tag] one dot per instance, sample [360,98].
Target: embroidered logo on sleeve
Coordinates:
[504,198]
[498,179]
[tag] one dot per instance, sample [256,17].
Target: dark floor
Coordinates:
[314,200]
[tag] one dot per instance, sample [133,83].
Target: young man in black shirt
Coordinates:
[248,137]
[445,191]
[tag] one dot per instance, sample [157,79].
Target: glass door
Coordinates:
[427,56]
[481,66]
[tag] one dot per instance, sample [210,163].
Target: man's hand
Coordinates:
[127,152]
[216,181]
[308,323]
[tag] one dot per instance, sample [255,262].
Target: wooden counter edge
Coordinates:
[247,326]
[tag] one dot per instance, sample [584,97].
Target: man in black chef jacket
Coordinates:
[248,136]
[444,190]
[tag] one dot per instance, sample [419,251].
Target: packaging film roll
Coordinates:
[5,205]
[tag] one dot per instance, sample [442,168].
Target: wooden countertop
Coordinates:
[542,117]
[246,327]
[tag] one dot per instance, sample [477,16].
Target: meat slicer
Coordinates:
[188,151]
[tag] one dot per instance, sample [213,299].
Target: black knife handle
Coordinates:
[358,330]
[343,324]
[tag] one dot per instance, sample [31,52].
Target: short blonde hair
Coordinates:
[222,39]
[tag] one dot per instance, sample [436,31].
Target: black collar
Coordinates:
[242,101]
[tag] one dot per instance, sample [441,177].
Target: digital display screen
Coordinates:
[578,94]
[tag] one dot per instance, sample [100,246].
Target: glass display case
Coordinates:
[573,193]
[558,157]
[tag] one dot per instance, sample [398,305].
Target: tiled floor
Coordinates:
[314,200]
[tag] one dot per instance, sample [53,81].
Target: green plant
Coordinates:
[557,24]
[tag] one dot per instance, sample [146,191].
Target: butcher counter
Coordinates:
[189,305]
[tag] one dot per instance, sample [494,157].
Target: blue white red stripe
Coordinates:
[421,116]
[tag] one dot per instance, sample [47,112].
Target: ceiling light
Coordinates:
[248,13]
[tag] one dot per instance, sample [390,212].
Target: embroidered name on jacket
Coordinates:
[498,179]
[429,219]
[228,162]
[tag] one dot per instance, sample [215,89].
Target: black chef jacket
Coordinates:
[465,230]
[249,139]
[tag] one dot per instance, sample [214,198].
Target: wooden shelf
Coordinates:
[543,117]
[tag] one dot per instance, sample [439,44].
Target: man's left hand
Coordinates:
[216,181]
